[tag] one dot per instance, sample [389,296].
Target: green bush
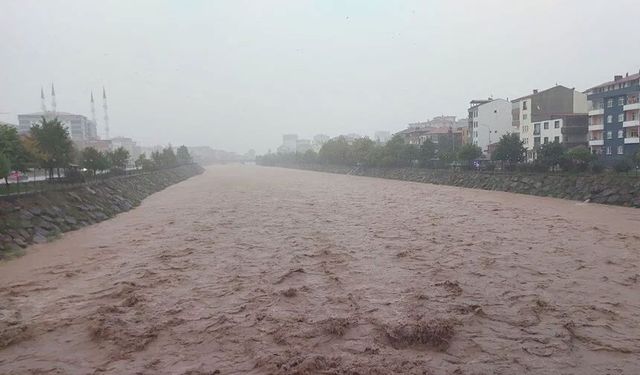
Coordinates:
[622,166]
[597,167]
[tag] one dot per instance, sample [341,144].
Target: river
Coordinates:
[256,270]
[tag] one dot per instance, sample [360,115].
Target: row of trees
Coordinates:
[509,153]
[395,153]
[49,146]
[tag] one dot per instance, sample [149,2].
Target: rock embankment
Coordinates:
[607,188]
[38,218]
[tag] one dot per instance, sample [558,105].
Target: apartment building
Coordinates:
[80,128]
[488,121]
[547,114]
[614,117]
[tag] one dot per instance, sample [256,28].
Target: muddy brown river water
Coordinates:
[250,270]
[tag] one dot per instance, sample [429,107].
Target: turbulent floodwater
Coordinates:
[273,271]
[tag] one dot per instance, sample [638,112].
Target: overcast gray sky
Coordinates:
[238,74]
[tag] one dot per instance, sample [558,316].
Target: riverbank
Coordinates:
[606,188]
[41,217]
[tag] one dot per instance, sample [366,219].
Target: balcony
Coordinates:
[631,140]
[597,112]
[596,142]
[631,123]
[596,127]
[632,107]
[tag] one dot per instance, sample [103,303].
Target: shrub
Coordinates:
[597,167]
[622,166]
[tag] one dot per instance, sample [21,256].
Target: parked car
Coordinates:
[18,176]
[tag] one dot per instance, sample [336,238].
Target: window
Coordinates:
[621,101]
[546,125]
[609,135]
[609,103]
[556,124]
[621,117]
[524,105]
[608,150]
[609,119]
[475,134]
[556,139]
[633,116]
[620,150]
[546,140]
[524,116]
[536,129]
[620,133]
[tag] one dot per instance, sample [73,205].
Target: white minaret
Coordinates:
[93,110]
[106,113]
[53,99]
[43,106]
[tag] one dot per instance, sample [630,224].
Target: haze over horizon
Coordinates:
[237,75]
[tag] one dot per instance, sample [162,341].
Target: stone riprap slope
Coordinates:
[607,188]
[38,218]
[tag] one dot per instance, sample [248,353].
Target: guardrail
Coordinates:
[59,184]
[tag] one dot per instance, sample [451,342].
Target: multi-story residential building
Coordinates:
[416,133]
[546,106]
[488,121]
[78,125]
[569,129]
[448,135]
[128,144]
[614,117]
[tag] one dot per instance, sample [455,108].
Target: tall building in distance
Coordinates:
[543,117]
[488,121]
[79,127]
[289,144]
[614,117]
[83,131]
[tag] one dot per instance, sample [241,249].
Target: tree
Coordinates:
[427,152]
[119,158]
[142,158]
[91,159]
[361,149]
[469,152]
[335,151]
[12,147]
[551,154]
[580,157]
[309,156]
[510,149]
[5,168]
[183,156]
[169,158]
[54,144]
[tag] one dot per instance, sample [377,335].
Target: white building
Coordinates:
[488,121]
[79,127]
[289,144]
[126,143]
[531,112]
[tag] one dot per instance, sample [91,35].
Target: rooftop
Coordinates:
[536,92]
[50,113]
[621,79]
